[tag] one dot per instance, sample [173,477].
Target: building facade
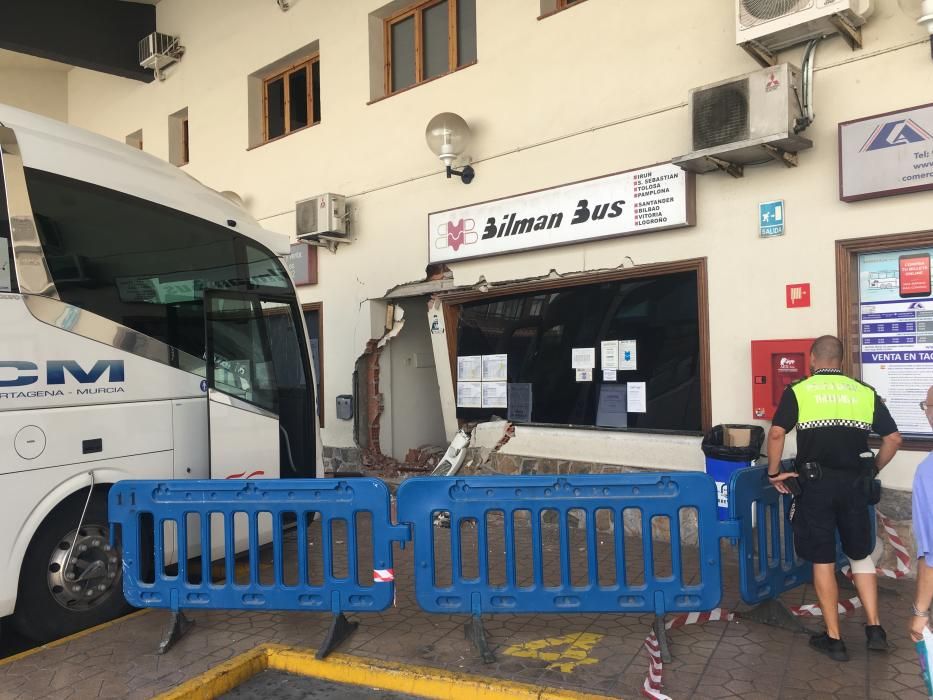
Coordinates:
[334,97]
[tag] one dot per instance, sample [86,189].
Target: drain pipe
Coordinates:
[926,19]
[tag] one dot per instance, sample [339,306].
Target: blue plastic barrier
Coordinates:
[146,583]
[469,500]
[768,564]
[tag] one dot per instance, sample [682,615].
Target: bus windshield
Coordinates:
[143,265]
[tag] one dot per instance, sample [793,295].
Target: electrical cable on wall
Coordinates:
[806,107]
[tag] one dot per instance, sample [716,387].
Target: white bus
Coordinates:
[150,330]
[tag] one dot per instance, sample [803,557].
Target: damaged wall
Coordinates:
[412,414]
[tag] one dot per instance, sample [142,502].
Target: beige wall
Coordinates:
[596,89]
[36,90]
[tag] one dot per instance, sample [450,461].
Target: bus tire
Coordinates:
[54,601]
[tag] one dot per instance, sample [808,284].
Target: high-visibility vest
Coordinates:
[828,400]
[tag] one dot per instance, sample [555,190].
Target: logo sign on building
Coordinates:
[887,154]
[771,218]
[798,295]
[637,201]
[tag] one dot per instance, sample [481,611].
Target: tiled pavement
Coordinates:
[736,659]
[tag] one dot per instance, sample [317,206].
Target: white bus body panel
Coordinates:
[244,440]
[132,418]
[39,491]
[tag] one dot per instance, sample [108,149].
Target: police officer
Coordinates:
[833,415]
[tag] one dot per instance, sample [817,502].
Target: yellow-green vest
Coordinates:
[830,400]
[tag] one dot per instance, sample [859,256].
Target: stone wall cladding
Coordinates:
[342,458]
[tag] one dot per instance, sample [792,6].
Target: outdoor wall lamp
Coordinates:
[448,135]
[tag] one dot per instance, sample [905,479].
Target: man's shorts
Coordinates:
[825,506]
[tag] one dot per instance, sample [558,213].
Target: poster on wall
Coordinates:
[520,401]
[470,368]
[470,394]
[886,154]
[495,395]
[628,355]
[896,332]
[655,198]
[495,368]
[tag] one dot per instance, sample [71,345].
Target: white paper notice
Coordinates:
[495,394]
[637,400]
[470,368]
[495,368]
[520,402]
[609,351]
[469,394]
[627,355]
[583,358]
[584,375]
[4,266]
[609,375]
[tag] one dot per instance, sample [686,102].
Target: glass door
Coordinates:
[259,397]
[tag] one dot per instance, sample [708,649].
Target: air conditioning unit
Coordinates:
[746,120]
[322,218]
[158,51]
[778,24]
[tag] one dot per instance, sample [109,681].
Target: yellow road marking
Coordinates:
[566,661]
[342,668]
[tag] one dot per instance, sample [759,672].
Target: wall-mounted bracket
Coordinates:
[764,56]
[851,33]
[782,156]
[734,169]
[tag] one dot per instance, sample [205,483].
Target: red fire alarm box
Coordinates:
[776,364]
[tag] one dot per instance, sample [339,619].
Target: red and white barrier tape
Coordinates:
[654,680]
[900,551]
[383,575]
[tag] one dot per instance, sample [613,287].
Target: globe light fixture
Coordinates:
[448,136]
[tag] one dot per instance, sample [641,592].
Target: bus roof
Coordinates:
[50,145]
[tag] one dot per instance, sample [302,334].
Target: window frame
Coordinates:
[185,152]
[847,304]
[416,11]
[452,303]
[559,6]
[305,63]
[319,389]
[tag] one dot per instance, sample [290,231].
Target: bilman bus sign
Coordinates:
[636,201]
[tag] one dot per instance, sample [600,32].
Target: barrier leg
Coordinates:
[773,612]
[177,629]
[476,633]
[340,630]
[660,633]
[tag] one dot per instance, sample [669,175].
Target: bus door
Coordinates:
[260,402]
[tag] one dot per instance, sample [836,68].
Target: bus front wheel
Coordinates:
[71,578]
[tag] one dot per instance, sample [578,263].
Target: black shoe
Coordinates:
[833,648]
[877,639]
